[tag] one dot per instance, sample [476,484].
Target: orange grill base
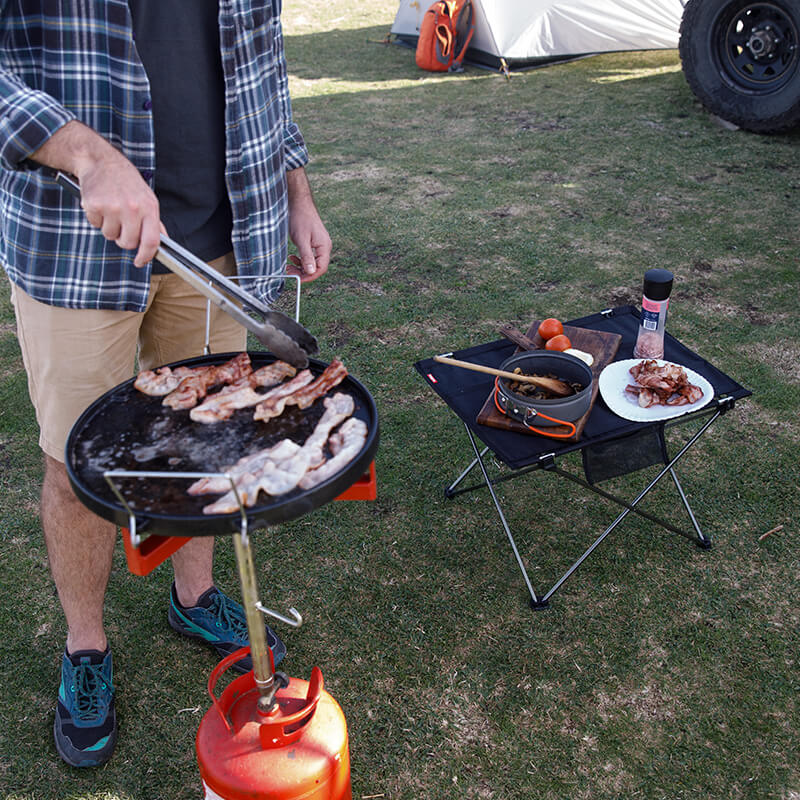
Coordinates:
[365,488]
[153,551]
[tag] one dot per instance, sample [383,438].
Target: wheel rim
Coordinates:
[756,46]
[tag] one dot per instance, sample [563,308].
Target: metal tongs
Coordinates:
[280,334]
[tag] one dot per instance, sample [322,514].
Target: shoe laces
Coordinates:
[229,616]
[91,692]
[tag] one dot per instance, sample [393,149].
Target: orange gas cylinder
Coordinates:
[299,749]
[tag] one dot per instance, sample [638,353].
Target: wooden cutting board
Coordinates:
[602,346]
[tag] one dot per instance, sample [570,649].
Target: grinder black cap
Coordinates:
[658,284]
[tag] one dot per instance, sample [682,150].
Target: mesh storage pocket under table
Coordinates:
[615,457]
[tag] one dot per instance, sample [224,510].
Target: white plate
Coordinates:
[616,376]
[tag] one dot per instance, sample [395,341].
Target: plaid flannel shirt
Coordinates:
[77,60]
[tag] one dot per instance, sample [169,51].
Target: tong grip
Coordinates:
[280,334]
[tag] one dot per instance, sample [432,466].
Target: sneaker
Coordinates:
[221,622]
[86,724]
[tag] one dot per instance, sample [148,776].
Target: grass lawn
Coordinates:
[457,203]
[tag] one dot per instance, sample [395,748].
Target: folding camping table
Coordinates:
[610,445]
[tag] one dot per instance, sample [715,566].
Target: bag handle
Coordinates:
[459,56]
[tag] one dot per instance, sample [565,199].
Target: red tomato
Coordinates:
[549,328]
[559,342]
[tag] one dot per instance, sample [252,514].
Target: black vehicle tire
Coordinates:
[741,58]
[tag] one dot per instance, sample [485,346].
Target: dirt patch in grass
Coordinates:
[527,121]
[622,296]
[362,173]
[339,334]
[783,357]
[509,212]
[645,704]
[355,286]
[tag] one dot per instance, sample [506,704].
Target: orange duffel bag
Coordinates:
[444,35]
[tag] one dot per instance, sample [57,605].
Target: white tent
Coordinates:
[527,32]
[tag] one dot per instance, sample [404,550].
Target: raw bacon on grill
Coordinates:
[345,445]
[279,469]
[242,394]
[282,451]
[273,405]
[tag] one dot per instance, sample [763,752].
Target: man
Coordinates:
[173,115]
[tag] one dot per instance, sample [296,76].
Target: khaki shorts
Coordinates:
[73,356]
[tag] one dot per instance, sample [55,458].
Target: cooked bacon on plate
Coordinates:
[665,384]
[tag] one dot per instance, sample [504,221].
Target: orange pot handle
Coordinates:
[534,413]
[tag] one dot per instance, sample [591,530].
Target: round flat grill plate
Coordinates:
[128,430]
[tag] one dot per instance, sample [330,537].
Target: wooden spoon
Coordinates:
[553,385]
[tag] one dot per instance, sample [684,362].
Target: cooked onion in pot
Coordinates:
[533,392]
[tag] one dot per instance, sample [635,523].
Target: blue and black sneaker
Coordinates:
[86,724]
[220,622]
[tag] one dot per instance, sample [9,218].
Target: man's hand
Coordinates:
[122,206]
[306,230]
[115,197]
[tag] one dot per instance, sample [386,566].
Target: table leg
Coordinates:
[535,601]
[541,602]
[702,540]
[451,489]
[632,507]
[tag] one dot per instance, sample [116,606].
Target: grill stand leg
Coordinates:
[542,602]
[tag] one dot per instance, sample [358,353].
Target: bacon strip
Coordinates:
[337,409]
[161,381]
[345,445]
[242,394]
[273,475]
[276,396]
[274,406]
[194,387]
[282,451]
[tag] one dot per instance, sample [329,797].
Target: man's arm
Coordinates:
[115,197]
[306,230]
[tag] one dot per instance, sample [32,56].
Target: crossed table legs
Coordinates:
[548,462]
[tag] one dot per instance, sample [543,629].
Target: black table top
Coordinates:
[465,391]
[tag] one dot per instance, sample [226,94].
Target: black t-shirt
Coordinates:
[178,42]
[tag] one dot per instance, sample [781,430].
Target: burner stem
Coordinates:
[262,665]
